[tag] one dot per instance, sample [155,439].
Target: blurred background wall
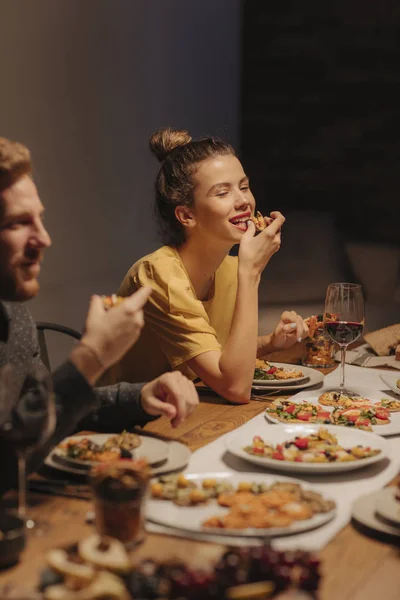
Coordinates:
[83,84]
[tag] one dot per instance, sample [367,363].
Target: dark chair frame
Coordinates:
[42,327]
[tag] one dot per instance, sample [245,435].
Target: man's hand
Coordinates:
[290,329]
[172,395]
[109,334]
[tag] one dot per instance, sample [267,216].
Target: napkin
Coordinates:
[364,356]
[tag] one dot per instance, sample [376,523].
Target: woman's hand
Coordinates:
[290,329]
[256,251]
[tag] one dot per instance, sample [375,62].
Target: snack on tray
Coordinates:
[113,300]
[384,341]
[337,399]
[320,447]
[292,412]
[276,505]
[363,418]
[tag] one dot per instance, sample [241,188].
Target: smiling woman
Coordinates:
[202,315]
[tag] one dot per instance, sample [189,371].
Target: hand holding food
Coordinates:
[109,334]
[256,251]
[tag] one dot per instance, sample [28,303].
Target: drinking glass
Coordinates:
[344,319]
[30,422]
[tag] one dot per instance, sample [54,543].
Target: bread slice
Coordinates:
[384,341]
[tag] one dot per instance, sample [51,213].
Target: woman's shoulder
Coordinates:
[159,267]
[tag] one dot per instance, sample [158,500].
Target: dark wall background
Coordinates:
[320,110]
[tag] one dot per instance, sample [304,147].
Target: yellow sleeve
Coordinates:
[176,317]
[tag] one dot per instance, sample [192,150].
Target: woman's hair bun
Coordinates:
[165,140]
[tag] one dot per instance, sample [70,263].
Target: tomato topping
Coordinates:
[301,443]
[278,456]
[290,409]
[323,414]
[257,438]
[298,459]
[304,416]
[363,422]
[257,450]
[271,370]
[351,418]
[382,414]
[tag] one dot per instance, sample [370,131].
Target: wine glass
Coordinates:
[344,319]
[29,401]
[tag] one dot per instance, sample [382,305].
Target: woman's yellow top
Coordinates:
[178,326]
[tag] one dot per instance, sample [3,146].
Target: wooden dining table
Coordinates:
[354,566]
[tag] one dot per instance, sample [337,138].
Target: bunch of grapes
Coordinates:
[174,580]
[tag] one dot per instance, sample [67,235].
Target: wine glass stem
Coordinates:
[342,364]
[22,487]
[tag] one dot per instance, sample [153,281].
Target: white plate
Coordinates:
[392,428]
[154,450]
[285,432]
[284,382]
[178,458]
[364,511]
[388,507]
[390,379]
[190,518]
[312,377]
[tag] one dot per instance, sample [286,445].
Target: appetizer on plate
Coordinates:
[321,447]
[293,412]
[337,399]
[363,417]
[390,405]
[116,447]
[251,504]
[265,371]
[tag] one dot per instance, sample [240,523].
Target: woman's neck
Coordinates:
[201,264]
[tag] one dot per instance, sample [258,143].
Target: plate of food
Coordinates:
[83,451]
[392,380]
[226,504]
[367,411]
[272,373]
[305,448]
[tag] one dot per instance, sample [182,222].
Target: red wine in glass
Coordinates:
[344,319]
[343,332]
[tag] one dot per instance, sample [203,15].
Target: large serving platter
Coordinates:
[388,506]
[152,449]
[282,433]
[189,519]
[287,367]
[392,428]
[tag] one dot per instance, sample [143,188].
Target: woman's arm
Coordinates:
[230,372]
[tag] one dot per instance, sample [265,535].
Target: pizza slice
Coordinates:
[363,418]
[336,399]
[390,405]
[113,300]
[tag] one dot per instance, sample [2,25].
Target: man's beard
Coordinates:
[12,291]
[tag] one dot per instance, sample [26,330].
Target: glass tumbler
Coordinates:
[119,492]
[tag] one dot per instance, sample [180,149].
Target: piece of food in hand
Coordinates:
[113,300]
[260,222]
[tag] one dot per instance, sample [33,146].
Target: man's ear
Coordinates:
[185,216]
